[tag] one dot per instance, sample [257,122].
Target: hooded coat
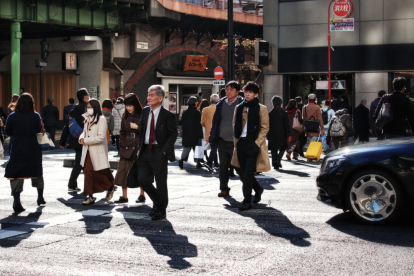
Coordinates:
[118,112]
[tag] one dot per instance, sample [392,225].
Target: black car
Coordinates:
[374,181]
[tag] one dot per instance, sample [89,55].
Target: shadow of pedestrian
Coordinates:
[92,215]
[272,221]
[396,234]
[16,228]
[161,235]
[297,173]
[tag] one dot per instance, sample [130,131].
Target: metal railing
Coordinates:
[221,5]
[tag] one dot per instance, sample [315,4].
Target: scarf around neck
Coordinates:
[253,119]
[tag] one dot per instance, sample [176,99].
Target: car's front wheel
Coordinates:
[374,197]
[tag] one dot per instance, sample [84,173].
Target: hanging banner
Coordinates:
[342,25]
[195,63]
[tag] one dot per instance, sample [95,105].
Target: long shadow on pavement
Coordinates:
[297,173]
[162,236]
[23,224]
[396,234]
[272,221]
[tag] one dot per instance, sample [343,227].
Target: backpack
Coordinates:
[325,117]
[337,128]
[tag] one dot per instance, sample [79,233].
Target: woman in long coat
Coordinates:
[26,154]
[293,146]
[279,131]
[98,176]
[128,143]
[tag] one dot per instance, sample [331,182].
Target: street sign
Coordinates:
[341,8]
[92,93]
[218,73]
[219,82]
[343,25]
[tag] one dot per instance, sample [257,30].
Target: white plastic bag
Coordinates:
[199,152]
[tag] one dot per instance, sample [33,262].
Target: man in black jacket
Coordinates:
[77,112]
[402,110]
[192,130]
[155,149]
[335,104]
[361,122]
[222,132]
[372,109]
[50,116]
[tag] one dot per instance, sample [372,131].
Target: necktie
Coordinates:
[151,138]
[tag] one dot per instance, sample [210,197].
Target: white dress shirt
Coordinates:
[244,133]
[147,133]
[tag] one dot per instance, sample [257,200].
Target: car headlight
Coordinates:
[332,163]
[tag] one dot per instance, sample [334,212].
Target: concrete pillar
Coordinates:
[90,70]
[15,37]
[367,86]
[273,86]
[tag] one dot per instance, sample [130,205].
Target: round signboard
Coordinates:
[218,73]
[342,8]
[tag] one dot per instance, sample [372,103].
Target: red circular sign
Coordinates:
[218,73]
[342,8]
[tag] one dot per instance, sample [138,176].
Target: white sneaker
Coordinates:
[89,201]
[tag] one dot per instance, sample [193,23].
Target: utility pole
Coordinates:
[230,70]
[16,35]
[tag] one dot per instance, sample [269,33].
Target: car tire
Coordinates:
[374,197]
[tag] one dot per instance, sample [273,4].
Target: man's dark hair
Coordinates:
[114,101]
[108,104]
[222,93]
[50,100]
[120,100]
[97,112]
[233,84]
[277,101]
[335,96]
[200,94]
[132,99]
[81,93]
[381,93]
[327,103]
[71,100]
[399,83]
[345,98]
[298,99]
[291,104]
[252,86]
[241,94]
[25,104]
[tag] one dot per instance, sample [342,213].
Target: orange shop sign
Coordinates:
[195,63]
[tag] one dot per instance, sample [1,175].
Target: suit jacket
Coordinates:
[165,131]
[66,111]
[207,119]
[50,115]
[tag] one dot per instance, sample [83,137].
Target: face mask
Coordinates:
[90,111]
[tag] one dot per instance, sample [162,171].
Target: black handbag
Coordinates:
[132,178]
[311,125]
[384,116]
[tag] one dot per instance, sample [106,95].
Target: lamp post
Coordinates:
[230,70]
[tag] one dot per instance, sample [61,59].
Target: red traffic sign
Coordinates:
[342,8]
[218,73]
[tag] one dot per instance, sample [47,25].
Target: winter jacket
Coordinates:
[346,120]
[191,125]
[279,129]
[94,136]
[129,137]
[402,110]
[77,113]
[361,123]
[207,119]
[26,153]
[313,110]
[118,112]
[291,116]
[215,129]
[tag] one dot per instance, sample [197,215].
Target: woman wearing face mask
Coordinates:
[128,144]
[98,176]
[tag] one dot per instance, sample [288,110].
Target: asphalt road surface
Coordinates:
[288,233]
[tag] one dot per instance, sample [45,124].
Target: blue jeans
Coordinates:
[391,136]
[324,143]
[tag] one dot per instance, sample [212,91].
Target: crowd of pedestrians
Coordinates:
[236,129]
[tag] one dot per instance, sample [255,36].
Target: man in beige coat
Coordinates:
[207,121]
[251,125]
[313,112]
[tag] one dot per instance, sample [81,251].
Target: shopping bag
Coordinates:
[199,152]
[384,116]
[296,124]
[45,141]
[206,145]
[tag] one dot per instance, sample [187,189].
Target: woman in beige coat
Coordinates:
[98,176]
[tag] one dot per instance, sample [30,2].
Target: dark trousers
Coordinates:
[225,151]
[77,168]
[213,155]
[52,131]
[153,163]
[247,152]
[302,142]
[115,141]
[380,135]
[277,155]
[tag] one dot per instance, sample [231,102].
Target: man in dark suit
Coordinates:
[77,112]
[155,149]
[68,109]
[50,116]
[362,128]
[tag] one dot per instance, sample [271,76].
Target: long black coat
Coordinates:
[26,153]
[361,123]
[50,115]
[279,129]
[191,126]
